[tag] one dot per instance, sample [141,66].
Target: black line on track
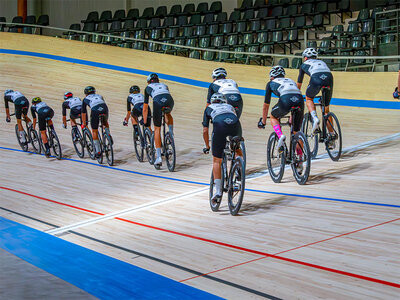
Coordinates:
[162,261]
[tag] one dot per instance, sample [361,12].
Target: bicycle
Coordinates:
[142,142]
[53,141]
[31,136]
[297,155]
[330,135]
[77,140]
[105,140]
[167,144]
[232,181]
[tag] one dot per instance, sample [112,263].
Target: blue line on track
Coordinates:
[193,82]
[206,184]
[98,274]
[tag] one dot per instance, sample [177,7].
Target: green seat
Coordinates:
[194,54]
[284,62]
[248,39]
[218,41]
[204,42]
[296,62]
[222,56]
[253,57]
[208,55]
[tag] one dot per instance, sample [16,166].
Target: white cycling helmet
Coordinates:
[218,98]
[310,52]
[219,72]
[8,91]
[277,71]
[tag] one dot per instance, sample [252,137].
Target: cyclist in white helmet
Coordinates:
[227,87]
[320,76]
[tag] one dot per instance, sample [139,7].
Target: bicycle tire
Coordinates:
[35,141]
[243,148]
[137,143]
[237,177]
[88,139]
[100,157]
[215,205]
[79,144]
[170,153]
[108,149]
[302,177]
[55,143]
[335,153]
[148,146]
[24,146]
[313,139]
[276,172]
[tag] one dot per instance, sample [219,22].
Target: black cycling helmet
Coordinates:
[89,90]
[153,77]
[68,95]
[134,88]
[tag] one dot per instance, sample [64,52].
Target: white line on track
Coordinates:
[60,230]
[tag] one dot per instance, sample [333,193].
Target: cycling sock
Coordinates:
[278,130]
[158,150]
[22,136]
[46,145]
[51,126]
[171,129]
[314,114]
[217,183]
[96,145]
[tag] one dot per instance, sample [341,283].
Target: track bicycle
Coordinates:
[330,135]
[78,140]
[31,136]
[167,144]
[142,141]
[298,153]
[106,143]
[232,179]
[52,138]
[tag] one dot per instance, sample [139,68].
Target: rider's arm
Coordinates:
[301,76]
[146,103]
[128,109]
[206,123]
[33,116]
[210,93]
[64,112]
[267,101]
[85,102]
[6,106]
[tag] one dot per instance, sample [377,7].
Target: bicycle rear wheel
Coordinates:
[170,154]
[312,139]
[138,144]
[35,140]
[236,185]
[108,149]
[215,204]
[88,139]
[275,159]
[243,148]
[148,141]
[78,142]
[23,145]
[333,140]
[301,159]
[55,142]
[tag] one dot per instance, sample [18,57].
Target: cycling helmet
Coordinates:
[218,98]
[8,91]
[36,100]
[219,72]
[277,71]
[310,52]
[68,95]
[134,88]
[152,77]
[89,90]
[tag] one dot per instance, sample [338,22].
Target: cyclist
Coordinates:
[225,123]
[227,87]
[289,96]
[320,76]
[45,114]
[98,107]
[136,100]
[161,98]
[75,106]
[21,105]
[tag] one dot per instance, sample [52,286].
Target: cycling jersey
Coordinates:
[92,100]
[223,86]
[71,103]
[44,112]
[311,67]
[20,102]
[280,86]
[161,98]
[134,99]
[154,90]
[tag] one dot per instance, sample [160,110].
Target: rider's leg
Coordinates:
[21,130]
[157,140]
[170,121]
[217,175]
[50,123]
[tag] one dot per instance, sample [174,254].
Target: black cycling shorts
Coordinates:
[75,112]
[223,126]
[137,111]
[236,101]
[21,107]
[95,114]
[44,115]
[159,102]
[317,81]
[285,103]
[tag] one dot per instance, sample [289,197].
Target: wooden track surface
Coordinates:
[287,220]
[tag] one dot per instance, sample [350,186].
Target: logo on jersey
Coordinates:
[323,77]
[100,108]
[163,99]
[228,121]
[232,97]
[294,99]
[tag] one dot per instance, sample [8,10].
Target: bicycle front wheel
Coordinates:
[301,158]
[23,145]
[170,154]
[56,144]
[148,143]
[108,149]
[311,138]
[236,186]
[333,140]
[100,156]
[78,142]
[275,158]
[35,140]
[88,139]
[138,144]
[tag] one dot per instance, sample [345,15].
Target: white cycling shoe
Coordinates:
[158,161]
[281,141]
[315,125]
[216,198]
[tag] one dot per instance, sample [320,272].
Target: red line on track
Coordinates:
[371,279]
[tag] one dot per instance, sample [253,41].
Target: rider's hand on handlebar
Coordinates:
[141,122]
[260,124]
[206,150]
[8,119]
[125,123]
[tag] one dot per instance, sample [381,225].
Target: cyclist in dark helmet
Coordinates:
[45,114]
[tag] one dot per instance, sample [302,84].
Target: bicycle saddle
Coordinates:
[235,141]
[166,109]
